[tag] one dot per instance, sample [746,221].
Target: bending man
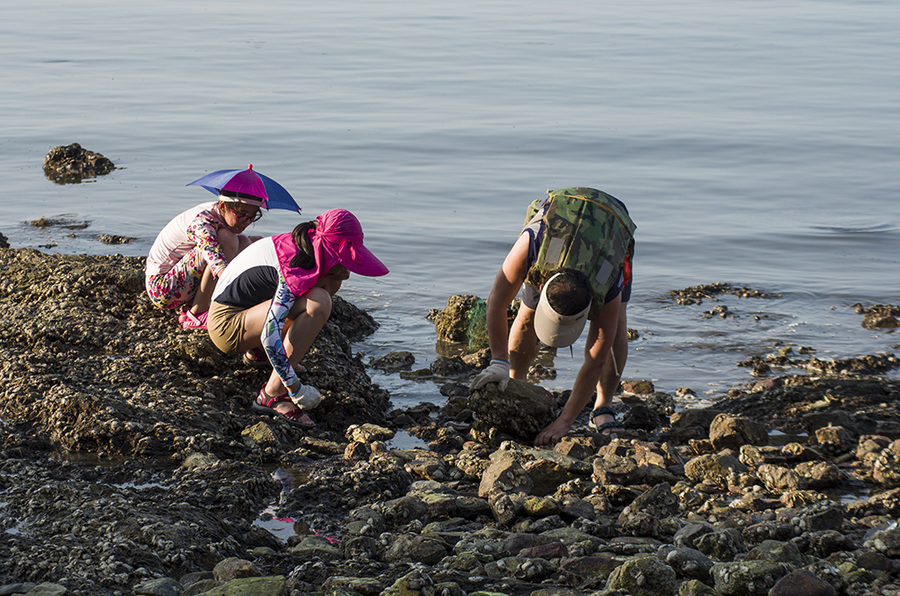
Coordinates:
[574,259]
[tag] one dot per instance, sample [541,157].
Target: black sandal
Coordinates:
[611,425]
[257,358]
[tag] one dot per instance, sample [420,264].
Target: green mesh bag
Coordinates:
[586,230]
[478,333]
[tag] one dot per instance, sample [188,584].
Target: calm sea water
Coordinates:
[754,143]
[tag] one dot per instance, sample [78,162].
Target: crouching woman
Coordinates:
[277,294]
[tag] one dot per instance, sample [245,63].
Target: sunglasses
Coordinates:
[242,215]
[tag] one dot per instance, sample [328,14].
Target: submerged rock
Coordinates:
[114,239]
[394,361]
[697,294]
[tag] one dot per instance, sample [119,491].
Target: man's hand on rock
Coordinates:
[496,372]
[553,433]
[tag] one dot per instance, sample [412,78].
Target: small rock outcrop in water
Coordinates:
[462,322]
[4,241]
[114,239]
[697,294]
[70,164]
[65,222]
[879,316]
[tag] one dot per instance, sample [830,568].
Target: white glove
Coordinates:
[306,398]
[496,372]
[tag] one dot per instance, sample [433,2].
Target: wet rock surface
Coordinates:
[131,464]
[71,164]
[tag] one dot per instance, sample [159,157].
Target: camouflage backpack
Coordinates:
[584,229]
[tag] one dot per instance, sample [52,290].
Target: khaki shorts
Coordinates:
[226,326]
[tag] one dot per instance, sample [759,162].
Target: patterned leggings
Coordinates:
[178,286]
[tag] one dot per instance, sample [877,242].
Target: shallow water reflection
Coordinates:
[404,440]
[280,527]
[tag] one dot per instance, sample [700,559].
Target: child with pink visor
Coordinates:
[288,277]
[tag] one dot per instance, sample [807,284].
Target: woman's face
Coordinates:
[331,282]
[238,216]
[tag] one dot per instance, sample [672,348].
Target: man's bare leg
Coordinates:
[612,370]
[523,343]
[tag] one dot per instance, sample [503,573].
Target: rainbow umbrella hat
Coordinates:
[249,184]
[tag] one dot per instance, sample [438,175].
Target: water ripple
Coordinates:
[871,229]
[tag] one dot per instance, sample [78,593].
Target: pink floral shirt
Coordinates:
[197,227]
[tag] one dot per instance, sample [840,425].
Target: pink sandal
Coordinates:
[192,321]
[265,404]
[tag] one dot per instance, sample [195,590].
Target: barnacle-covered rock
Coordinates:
[70,164]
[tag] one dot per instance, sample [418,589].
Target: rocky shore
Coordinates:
[130,463]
